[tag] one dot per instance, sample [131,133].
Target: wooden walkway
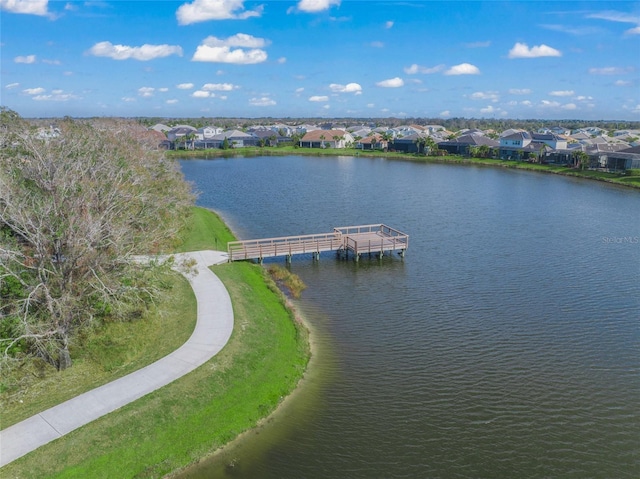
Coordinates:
[371,239]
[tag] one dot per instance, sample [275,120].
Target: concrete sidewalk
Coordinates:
[213,330]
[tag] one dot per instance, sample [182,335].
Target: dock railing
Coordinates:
[371,239]
[284,246]
[375,238]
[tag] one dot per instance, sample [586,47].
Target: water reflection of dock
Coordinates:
[368,239]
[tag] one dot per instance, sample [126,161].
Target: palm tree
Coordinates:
[421,143]
[322,138]
[581,159]
[431,145]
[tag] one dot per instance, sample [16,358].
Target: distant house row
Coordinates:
[554,145]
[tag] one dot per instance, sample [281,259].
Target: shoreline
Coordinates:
[146,416]
[248,152]
[302,386]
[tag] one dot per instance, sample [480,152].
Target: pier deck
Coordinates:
[371,239]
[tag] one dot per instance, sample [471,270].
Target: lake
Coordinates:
[505,344]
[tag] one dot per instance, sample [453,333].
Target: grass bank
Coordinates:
[631,180]
[193,416]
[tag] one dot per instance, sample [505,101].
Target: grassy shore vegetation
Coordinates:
[199,413]
[630,178]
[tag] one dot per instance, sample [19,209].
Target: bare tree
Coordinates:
[73,209]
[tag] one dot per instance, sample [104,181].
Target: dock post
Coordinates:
[289,258]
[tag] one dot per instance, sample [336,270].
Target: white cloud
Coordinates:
[146,91]
[550,104]
[219,87]
[348,88]
[201,94]
[388,24]
[282,60]
[262,101]
[463,69]
[185,86]
[124,52]
[219,50]
[520,91]
[396,82]
[489,110]
[562,93]
[52,62]
[571,30]
[415,68]
[526,103]
[12,85]
[633,31]
[34,91]
[25,59]
[163,89]
[299,90]
[57,97]
[445,113]
[377,44]
[485,95]
[622,83]
[609,71]
[29,7]
[318,98]
[614,16]
[205,10]
[314,6]
[173,101]
[238,40]
[521,50]
[128,99]
[569,106]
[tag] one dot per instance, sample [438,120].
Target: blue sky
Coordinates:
[322,58]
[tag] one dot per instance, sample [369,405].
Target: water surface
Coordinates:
[506,344]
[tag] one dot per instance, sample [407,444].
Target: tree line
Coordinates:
[74,207]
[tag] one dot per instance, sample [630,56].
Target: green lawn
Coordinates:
[193,416]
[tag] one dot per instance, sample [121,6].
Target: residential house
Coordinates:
[181,137]
[517,146]
[551,139]
[372,142]
[615,160]
[269,137]
[208,132]
[326,139]
[462,144]
[235,139]
[160,127]
[407,144]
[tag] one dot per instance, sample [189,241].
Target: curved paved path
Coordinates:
[213,329]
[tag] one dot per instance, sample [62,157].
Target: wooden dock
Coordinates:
[358,240]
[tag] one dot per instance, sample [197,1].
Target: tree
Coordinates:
[581,159]
[73,209]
